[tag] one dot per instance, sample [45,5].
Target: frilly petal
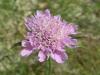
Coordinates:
[69,42]
[59,57]
[25,52]
[27,44]
[47,12]
[71,29]
[41,56]
[58,17]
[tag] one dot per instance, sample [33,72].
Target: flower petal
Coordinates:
[25,52]
[71,29]
[58,17]
[41,56]
[69,42]
[59,57]
[38,13]
[26,44]
[47,12]
[28,23]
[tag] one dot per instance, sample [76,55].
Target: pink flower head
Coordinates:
[48,35]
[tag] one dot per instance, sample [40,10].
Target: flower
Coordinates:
[48,35]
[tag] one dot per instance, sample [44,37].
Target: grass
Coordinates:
[84,60]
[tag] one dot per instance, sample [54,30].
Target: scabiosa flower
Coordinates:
[48,35]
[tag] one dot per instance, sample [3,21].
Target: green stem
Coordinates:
[48,67]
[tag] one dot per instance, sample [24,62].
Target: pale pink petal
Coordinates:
[38,13]
[59,57]
[71,29]
[47,12]
[28,23]
[58,17]
[41,56]
[69,42]
[25,52]
[25,43]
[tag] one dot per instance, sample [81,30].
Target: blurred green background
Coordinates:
[84,60]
